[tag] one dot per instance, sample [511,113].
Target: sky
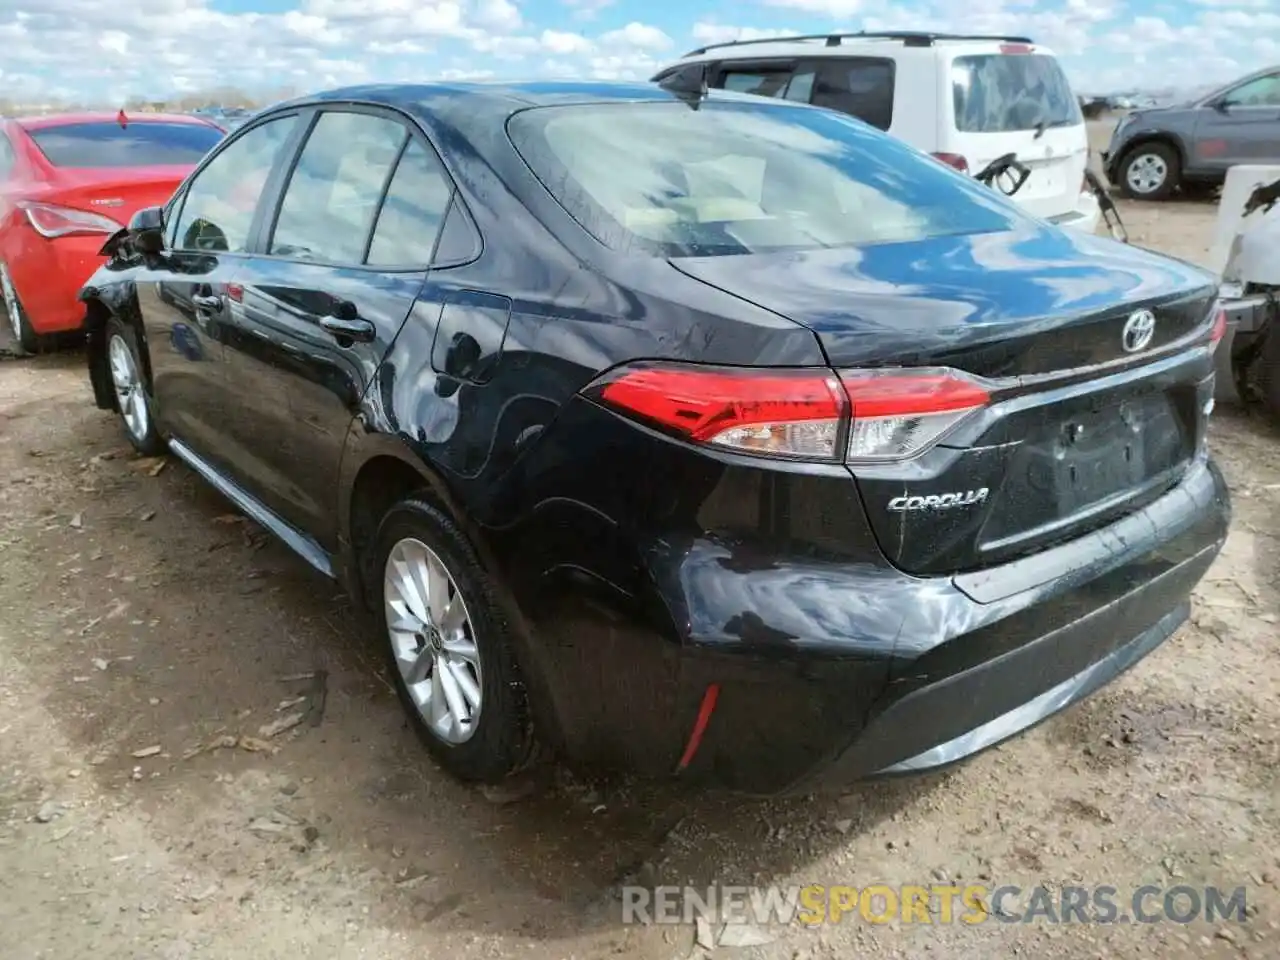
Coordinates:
[104,51]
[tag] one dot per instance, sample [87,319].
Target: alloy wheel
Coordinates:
[433,640]
[1146,174]
[130,394]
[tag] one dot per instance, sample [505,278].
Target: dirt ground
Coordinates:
[147,638]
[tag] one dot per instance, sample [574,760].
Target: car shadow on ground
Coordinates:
[194,637]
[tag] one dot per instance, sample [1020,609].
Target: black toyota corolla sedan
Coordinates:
[698,434]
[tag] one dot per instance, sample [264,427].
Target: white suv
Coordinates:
[967,100]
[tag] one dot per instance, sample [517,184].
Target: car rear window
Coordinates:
[738,177]
[1002,93]
[137,144]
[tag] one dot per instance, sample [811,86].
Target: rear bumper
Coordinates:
[48,275]
[1084,217]
[1039,708]
[966,662]
[1247,316]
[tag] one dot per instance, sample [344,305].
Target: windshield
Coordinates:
[1001,93]
[744,177]
[138,144]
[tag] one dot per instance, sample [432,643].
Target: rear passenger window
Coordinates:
[785,82]
[862,88]
[332,197]
[764,82]
[413,210]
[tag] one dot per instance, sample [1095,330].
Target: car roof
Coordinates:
[492,98]
[1223,88]
[43,122]
[838,44]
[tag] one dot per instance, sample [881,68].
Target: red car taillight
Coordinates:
[52,221]
[1219,328]
[900,413]
[798,414]
[773,412]
[953,160]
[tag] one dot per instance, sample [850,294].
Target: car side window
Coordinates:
[1260,92]
[861,87]
[217,210]
[800,86]
[332,197]
[770,81]
[412,211]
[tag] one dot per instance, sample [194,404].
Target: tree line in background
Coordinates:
[179,103]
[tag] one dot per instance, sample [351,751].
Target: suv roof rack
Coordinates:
[912,38]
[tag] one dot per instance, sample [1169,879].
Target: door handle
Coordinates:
[349,328]
[210,303]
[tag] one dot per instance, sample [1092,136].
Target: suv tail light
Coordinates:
[52,221]
[806,414]
[953,160]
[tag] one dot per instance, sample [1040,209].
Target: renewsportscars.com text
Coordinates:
[933,904]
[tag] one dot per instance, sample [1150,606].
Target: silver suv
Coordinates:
[1153,152]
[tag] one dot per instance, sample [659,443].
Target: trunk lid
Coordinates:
[1056,160]
[117,194]
[1079,431]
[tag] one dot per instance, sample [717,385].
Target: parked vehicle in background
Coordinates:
[234,117]
[1246,249]
[1155,151]
[1094,107]
[967,100]
[67,182]
[742,443]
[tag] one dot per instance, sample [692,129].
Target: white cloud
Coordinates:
[638,36]
[587,9]
[88,50]
[560,43]
[705,33]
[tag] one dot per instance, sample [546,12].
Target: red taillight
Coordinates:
[52,221]
[953,160]
[776,412]
[900,413]
[800,414]
[1219,328]
[1016,48]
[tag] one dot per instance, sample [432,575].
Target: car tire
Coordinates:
[458,656]
[25,339]
[133,400]
[1151,171]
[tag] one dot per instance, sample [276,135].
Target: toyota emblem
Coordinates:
[1138,331]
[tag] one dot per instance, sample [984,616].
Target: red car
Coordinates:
[67,183]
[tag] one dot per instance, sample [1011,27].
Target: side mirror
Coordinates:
[146,230]
[1222,104]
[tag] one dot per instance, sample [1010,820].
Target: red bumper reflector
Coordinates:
[700,725]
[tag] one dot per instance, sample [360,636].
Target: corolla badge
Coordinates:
[939,501]
[1138,331]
